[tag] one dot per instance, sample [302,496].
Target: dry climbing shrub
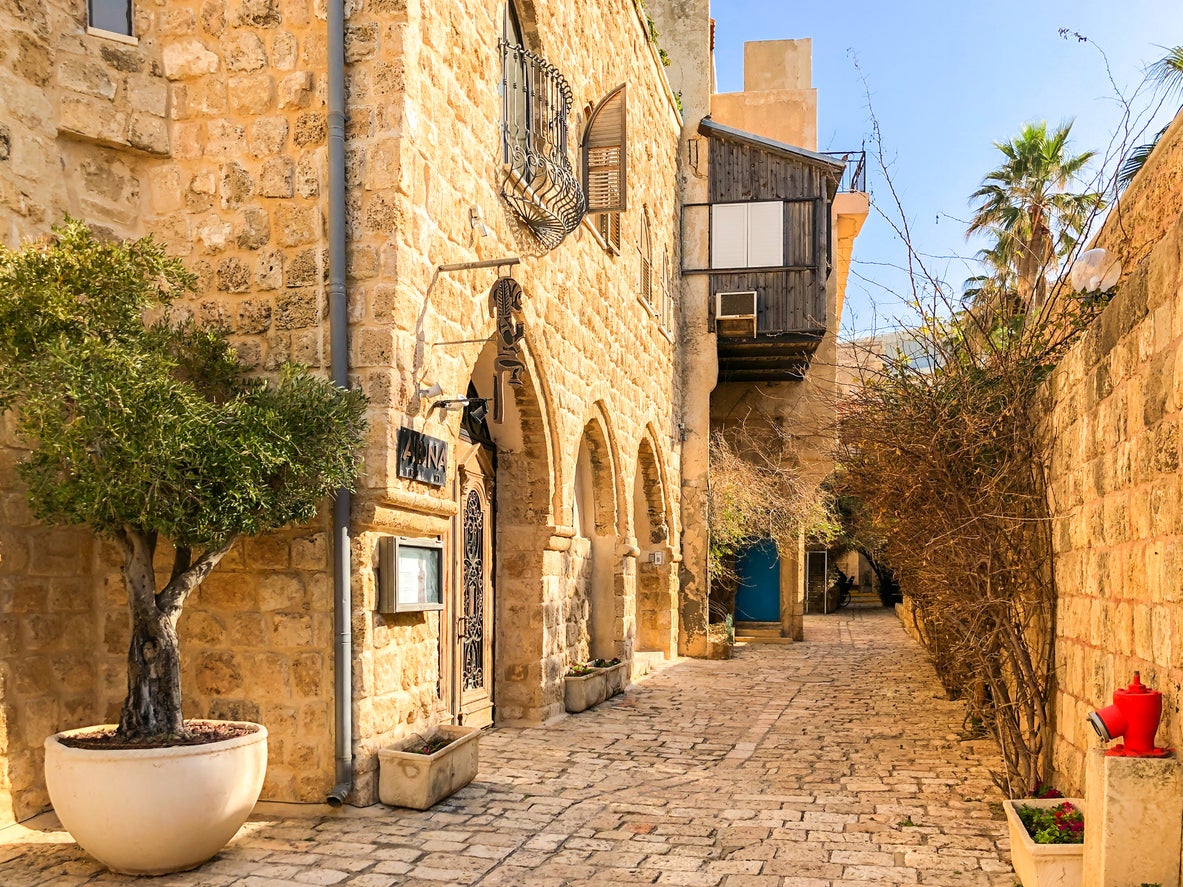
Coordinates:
[947,455]
[757,490]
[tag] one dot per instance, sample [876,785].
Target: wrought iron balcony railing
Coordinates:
[855,176]
[539,182]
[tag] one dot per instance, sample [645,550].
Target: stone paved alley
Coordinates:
[836,761]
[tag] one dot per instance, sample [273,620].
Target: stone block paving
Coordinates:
[836,761]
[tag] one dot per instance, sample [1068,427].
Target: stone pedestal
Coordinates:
[1133,821]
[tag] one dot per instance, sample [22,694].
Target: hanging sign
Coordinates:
[422,458]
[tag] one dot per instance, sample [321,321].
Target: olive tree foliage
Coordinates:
[146,426]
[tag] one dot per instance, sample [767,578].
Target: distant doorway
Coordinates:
[757,599]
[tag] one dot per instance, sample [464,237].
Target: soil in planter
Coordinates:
[200,733]
[430,747]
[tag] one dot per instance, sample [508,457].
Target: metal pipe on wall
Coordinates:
[339,366]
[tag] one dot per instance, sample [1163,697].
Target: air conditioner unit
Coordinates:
[735,315]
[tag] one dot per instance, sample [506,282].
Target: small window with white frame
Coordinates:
[110,16]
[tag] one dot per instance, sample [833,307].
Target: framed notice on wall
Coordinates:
[410,574]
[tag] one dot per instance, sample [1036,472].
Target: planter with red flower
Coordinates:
[1047,841]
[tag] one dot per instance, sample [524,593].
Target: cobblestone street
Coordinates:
[836,761]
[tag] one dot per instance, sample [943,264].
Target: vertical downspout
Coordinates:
[339,362]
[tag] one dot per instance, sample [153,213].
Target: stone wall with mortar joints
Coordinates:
[239,197]
[590,337]
[1115,405]
[83,117]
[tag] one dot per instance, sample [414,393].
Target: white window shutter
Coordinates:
[766,235]
[729,236]
[605,155]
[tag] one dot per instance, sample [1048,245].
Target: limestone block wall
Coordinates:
[83,118]
[593,348]
[1115,405]
[210,134]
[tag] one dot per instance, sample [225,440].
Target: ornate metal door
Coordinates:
[474,598]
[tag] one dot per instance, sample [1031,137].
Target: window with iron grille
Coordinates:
[540,183]
[110,15]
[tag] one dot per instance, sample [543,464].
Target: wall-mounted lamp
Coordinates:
[478,407]
[476,218]
[434,391]
[1095,271]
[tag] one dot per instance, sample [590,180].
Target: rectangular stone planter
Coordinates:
[586,691]
[406,779]
[1043,865]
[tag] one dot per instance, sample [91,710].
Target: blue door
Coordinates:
[758,596]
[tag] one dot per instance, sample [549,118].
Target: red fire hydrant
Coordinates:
[1134,715]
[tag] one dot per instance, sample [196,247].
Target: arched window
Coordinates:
[539,184]
[605,155]
[645,248]
[605,164]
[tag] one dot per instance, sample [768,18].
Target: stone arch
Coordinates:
[656,600]
[589,611]
[527,684]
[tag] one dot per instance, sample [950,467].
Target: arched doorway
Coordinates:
[475,593]
[504,492]
[589,601]
[656,601]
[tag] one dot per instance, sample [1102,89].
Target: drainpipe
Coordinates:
[339,362]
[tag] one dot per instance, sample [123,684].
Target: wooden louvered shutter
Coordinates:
[605,154]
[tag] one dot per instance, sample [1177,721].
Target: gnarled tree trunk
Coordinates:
[153,706]
[152,709]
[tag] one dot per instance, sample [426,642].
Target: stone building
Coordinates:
[514,351]
[768,232]
[471,211]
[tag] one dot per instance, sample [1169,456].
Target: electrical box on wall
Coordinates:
[410,574]
[657,558]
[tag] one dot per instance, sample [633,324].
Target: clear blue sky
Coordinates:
[947,78]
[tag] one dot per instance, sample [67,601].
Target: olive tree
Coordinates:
[146,427]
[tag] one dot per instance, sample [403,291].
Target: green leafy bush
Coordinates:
[144,425]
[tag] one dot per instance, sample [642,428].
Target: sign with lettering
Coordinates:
[422,458]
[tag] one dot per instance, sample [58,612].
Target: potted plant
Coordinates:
[589,684]
[1047,840]
[423,770]
[147,428]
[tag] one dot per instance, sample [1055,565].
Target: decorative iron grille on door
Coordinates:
[474,592]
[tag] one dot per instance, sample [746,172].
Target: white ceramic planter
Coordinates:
[406,779]
[158,810]
[1043,865]
[581,692]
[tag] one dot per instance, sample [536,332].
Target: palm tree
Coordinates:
[1025,207]
[1167,75]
